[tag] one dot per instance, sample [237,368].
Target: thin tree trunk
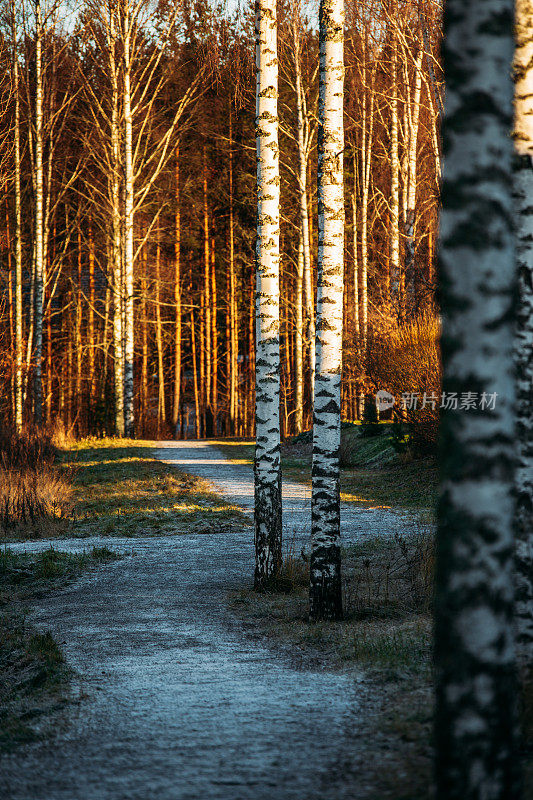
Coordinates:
[524,335]
[268,527]
[214,337]
[90,325]
[129,428]
[394,231]
[325,596]
[18,235]
[118,282]
[161,403]
[475,721]
[233,342]
[38,232]
[177,297]
[298,336]
[144,357]
[195,379]
[410,214]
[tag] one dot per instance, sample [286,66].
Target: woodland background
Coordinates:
[127,148]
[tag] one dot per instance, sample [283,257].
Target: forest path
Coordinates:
[175,704]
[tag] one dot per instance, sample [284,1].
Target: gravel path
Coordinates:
[175,704]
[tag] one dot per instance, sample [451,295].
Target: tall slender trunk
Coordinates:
[129,428]
[207,289]
[177,297]
[268,529]
[305,243]
[19,356]
[524,334]
[475,721]
[90,324]
[79,317]
[234,328]
[195,379]
[298,338]
[325,596]
[394,231]
[368,130]
[410,215]
[214,336]
[144,339]
[116,247]
[38,225]
[161,403]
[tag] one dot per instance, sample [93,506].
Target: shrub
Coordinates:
[406,358]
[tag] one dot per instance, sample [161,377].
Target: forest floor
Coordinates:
[183,682]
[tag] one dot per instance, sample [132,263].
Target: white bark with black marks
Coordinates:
[524,335]
[325,577]
[268,526]
[38,223]
[475,727]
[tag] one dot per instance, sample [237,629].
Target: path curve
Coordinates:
[175,704]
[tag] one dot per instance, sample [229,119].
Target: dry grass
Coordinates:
[35,493]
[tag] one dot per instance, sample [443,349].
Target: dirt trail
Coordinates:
[175,704]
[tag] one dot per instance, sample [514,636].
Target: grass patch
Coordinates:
[120,489]
[34,679]
[373,474]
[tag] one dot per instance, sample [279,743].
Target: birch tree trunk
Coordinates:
[298,338]
[305,243]
[409,232]
[474,648]
[129,340]
[233,319]
[38,225]
[524,335]
[325,569]
[161,403]
[19,356]
[268,526]
[394,232]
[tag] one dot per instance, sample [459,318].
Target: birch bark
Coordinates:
[524,335]
[268,527]
[325,568]
[474,648]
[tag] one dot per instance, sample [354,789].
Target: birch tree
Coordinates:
[524,339]
[474,648]
[268,525]
[325,567]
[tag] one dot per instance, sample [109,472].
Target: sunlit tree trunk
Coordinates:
[161,404]
[394,230]
[144,340]
[233,367]
[267,449]
[128,224]
[410,214]
[177,297]
[214,337]
[18,233]
[298,338]
[474,650]
[305,243]
[118,282]
[524,336]
[90,324]
[38,222]
[325,568]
